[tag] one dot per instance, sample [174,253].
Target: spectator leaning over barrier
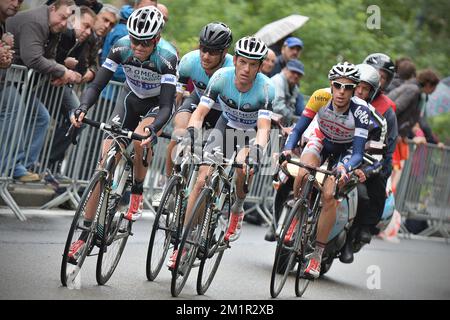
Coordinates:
[406,97]
[104,22]
[288,100]
[9,111]
[268,63]
[69,52]
[292,48]
[428,81]
[119,31]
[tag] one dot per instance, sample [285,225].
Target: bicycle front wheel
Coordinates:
[215,246]
[166,229]
[288,247]
[188,249]
[117,231]
[82,229]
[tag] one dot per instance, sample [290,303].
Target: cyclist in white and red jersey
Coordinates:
[339,123]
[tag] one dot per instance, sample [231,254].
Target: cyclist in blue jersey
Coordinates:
[199,65]
[245,96]
[149,92]
[340,123]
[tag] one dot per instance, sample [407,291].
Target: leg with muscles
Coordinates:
[137,199]
[237,209]
[181,121]
[326,222]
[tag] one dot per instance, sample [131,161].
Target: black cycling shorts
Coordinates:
[130,109]
[191,102]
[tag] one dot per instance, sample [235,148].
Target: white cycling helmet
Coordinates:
[145,23]
[251,48]
[344,70]
[369,74]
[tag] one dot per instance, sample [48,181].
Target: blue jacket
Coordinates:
[119,31]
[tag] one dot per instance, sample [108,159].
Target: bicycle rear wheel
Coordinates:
[166,229]
[188,249]
[287,251]
[79,227]
[215,246]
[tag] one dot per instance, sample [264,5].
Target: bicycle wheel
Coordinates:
[301,281]
[117,229]
[188,249]
[287,251]
[70,267]
[215,246]
[166,228]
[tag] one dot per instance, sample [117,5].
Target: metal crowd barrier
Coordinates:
[13,111]
[423,191]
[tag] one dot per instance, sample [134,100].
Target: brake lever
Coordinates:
[71,134]
[144,156]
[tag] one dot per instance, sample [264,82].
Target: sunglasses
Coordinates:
[212,52]
[144,43]
[346,86]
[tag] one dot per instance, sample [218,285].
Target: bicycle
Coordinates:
[109,231]
[203,237]
[304,216]
[168,224]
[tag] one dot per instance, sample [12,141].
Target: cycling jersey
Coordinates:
[155,77]
[143,78]
[190,67]
[241,110]
[335,129]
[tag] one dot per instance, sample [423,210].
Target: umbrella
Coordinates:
[278,29]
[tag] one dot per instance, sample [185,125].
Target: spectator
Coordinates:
[164,11]
[287,101]
[119,31]
[8,110]
[72,44]
[104,22]
[268,63]
[291,49]
[406,97]
[36,36]
[428,81]
[400,73]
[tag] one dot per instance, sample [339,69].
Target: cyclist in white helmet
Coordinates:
[245,96]
[150,86]
[340,121]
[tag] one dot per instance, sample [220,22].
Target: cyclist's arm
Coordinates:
[296,133]
[167,93]
[265,117]
[359,139]
[184,71]
[92,92]
[166,100]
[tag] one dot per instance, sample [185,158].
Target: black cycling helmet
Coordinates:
[383,62]
[216,35]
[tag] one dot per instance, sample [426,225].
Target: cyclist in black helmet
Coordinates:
[199,65]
